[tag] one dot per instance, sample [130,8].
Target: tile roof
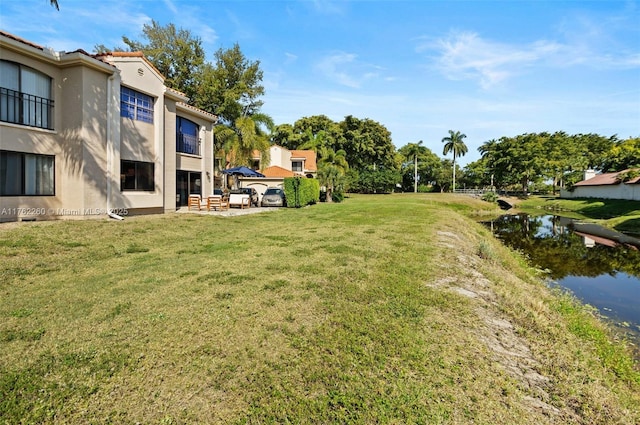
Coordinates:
[213,117]
[275,171]
[21,40]
[606,179]
[309,157]
[131,55]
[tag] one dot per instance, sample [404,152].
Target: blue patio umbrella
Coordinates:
[242,171]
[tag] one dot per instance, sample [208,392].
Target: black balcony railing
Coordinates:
[26,109]
[188,143]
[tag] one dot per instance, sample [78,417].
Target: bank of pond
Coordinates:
[600,266]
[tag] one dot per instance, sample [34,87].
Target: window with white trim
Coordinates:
[136,105]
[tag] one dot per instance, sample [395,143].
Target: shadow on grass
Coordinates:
[629,226]
[604,208]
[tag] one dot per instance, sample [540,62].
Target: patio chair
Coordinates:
[194,202]
[239,200]
[217,203]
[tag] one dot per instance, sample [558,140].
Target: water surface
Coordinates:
[600,266]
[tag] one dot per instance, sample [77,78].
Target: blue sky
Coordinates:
[419,67]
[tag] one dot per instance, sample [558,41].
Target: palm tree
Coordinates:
[54,3]
[313,142]
[414,150]
[453,143]
[332,167]
[488,150]
[247,135]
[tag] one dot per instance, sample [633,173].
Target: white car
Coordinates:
[274,197]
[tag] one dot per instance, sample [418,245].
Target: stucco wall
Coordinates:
[280,157]
[141,141]
[90,139]
[619,191]
[77,140]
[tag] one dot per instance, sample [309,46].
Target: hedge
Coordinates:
[301,191]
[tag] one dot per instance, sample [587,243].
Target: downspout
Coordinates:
[110,95]
[213,148]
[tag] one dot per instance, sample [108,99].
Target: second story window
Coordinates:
[25,96]
[296,166]
[187,140]
[136,105]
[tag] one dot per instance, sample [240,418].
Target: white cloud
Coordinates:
[171,6]
[467,56]
[290,58]
[345,69]
[334,68]
[328,7]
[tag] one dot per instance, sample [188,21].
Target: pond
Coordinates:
[599,266]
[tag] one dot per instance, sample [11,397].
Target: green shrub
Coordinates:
[301,191]
[337,196]
[425,188]
[490,197]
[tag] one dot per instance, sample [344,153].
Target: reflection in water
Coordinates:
[600,266]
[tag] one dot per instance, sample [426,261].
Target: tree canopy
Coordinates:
[231,87]
[176,53]
[560,158]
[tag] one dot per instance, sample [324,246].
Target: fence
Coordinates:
[474,192]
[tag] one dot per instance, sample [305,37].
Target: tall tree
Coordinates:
[488,151]
[367,143]
[332,167]
[454,143]
[314,142]
[283,135]
[413,151]
[176,53]
[315,132]
[623,154]
[231,89]
[240,141]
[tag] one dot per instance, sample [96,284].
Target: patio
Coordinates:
[231,212]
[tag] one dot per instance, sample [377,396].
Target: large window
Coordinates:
[26,174]
[136,105]
[136,175]
[187,140]
[25,96]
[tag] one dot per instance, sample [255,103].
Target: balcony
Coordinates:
[25,109]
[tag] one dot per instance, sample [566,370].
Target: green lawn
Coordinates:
[381,309]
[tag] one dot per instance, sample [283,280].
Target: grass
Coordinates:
[381,309]
[623,215]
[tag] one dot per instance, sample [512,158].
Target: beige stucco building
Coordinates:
[282,163]
[86,135]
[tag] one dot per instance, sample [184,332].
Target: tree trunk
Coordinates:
[329,194]
[454,173]
[415,174]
